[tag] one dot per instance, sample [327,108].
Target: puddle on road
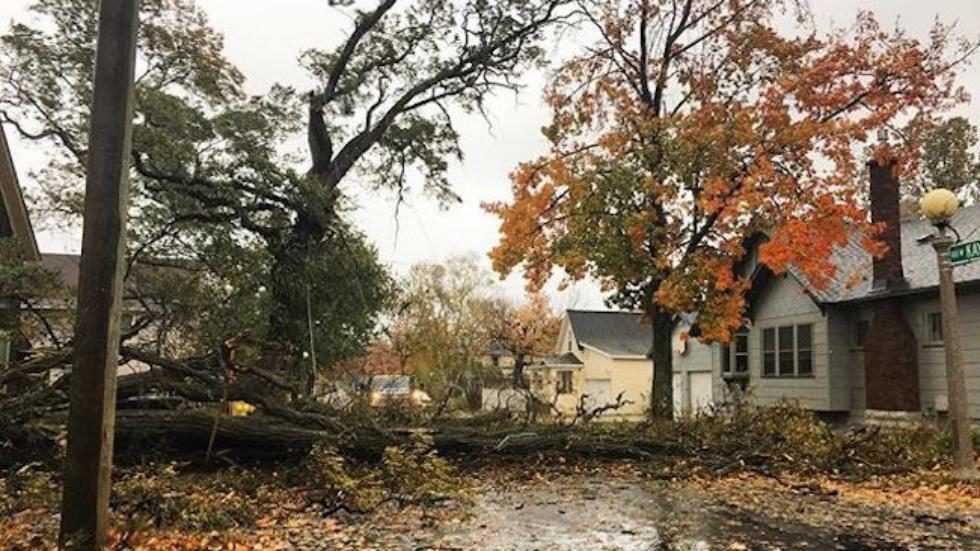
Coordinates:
[597,514]
[608,514]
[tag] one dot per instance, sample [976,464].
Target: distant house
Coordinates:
[14,223]
[58,311]
[869,342]
[600,356]
[14,220]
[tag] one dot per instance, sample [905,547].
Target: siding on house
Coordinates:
[785,302]
[932,356]
[697,357]
[932,359]
[838,380]
[834,310]
[632,377]
[544,384]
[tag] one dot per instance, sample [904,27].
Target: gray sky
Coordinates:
[264,39]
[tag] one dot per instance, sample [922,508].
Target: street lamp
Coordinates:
[939,206]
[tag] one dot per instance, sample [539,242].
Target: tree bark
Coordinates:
[293,251]
[258,435]
[518,372]
[662,396]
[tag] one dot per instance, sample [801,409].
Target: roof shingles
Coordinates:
[852,281]
[615,333]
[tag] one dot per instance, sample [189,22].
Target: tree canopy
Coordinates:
[213,191]
[689,126]
[950,159]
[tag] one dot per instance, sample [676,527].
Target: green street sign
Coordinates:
[964,253]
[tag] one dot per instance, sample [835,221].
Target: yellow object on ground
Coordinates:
[239,408]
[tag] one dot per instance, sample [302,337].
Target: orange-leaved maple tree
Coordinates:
[690,125]
[526,331]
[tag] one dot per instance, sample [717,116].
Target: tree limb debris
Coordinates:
[180,405]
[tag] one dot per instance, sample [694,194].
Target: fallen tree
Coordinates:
[182,405]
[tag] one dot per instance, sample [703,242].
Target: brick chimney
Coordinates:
[891,355]
[886,209]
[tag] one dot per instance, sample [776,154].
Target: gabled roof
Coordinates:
[14,220]
[614,333]
[852,282]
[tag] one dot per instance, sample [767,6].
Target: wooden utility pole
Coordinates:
[964,467]
[91,419]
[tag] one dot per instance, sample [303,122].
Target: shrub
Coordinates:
[28,489]
[787,437]
[412,474]
[159,496]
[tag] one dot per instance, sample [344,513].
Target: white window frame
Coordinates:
[794,349]
[730,355]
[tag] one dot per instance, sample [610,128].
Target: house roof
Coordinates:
[65,266]
[14,220]
[853,279]
[612,332]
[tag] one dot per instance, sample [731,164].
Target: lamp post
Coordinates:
[939,206]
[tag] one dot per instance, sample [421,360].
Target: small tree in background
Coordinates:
[690,125]
[950,159]
[526,331]
[441,328]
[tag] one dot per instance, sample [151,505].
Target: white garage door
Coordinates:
[599,392]
[700,385]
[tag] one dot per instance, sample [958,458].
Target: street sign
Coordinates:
[964,253]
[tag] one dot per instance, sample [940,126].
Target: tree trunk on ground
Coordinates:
[269,437]
[260,435]
[662,396]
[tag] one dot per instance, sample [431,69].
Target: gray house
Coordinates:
[14,224]
[871,341]
[14,221]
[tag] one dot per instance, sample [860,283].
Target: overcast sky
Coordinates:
[264,38]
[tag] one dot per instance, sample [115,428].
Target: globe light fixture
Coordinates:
[939,205]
